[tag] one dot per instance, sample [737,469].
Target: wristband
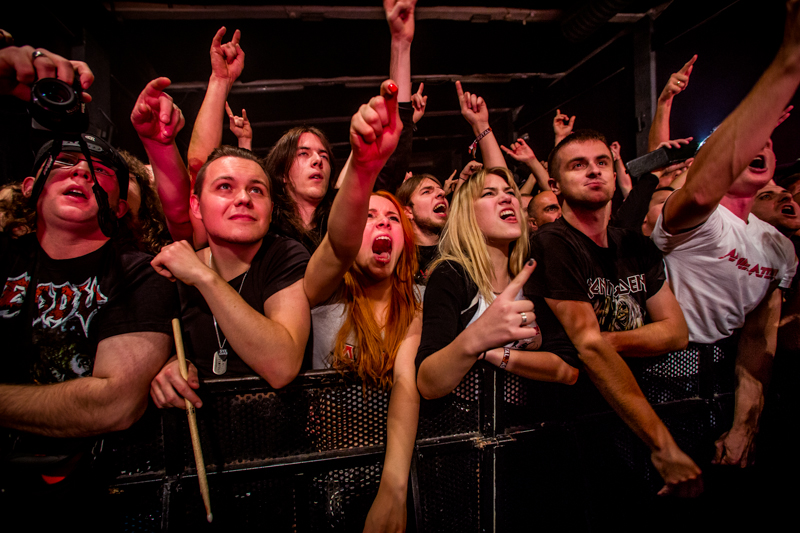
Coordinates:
[506,356]
[474,145]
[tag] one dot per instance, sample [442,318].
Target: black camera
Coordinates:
[58,106]
[661,158]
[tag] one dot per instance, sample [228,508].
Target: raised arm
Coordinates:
[678,82]
[623,178]
[562,126]
[389,510]
[616,383]
[741,137]
[374,133]
[112,399]
[400,17]
[227,62]
[476,113]
[158,120]
[240,126]
[523,153]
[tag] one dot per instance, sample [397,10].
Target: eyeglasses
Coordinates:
[69,161]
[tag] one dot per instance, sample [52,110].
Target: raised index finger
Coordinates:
[460,92]
[155,88]
[516,284]
[421,86]
[687,68]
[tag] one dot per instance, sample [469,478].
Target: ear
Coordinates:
[532,225]
[554,186]
[27,186]
[194,205]
[409,213]
[122,208]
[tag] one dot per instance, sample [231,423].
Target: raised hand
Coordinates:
[520,151]
[615,150]
[469,169]
[679,81]
[168,388]
[502,321]
[178,261]
[375,129]
[227,60]
[419,102]
[155,116]
[562,125]
[675,143]
[19,69]
[450,183]
[240,127]
[473,109]
[400,16]
[786,113]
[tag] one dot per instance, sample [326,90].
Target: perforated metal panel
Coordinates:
[456,413]
[450,497]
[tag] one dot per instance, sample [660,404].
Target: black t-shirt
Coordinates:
[279,263]
[78,303]
[426,255]
[617,280]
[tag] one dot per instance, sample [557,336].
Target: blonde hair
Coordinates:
[376,347]
[463,242]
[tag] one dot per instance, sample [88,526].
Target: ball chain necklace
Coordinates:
[220,365]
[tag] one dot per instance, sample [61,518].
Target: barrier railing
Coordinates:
[308,457]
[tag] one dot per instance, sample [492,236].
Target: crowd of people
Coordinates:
[290,263]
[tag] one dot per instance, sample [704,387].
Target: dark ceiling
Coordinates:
[317,64]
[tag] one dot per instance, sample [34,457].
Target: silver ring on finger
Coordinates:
[35,54]
[524,318]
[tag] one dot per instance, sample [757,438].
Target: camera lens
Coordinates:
[54,93]
[57,94]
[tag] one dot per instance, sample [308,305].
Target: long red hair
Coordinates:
[375,346]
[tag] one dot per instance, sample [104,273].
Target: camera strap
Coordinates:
[106,218]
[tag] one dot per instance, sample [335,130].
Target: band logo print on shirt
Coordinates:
[58,304]
[742,264]
[13,295]
[606,287]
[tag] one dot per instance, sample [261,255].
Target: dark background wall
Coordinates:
[594,78]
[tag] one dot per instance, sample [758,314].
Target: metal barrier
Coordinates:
[498,452]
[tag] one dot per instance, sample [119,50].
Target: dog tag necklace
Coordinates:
[220,365]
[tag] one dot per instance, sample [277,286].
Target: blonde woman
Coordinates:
[474,307]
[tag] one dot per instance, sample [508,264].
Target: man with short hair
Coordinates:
[725,266]
[775,206]
[543,209]
[600,293]
[422,196]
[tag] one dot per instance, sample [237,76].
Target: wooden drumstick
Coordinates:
[192,416]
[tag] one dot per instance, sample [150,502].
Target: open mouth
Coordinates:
[759,163]
[508,215]
[75,193]
[788,210]
[382,248]
[317,177]
[440,209]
